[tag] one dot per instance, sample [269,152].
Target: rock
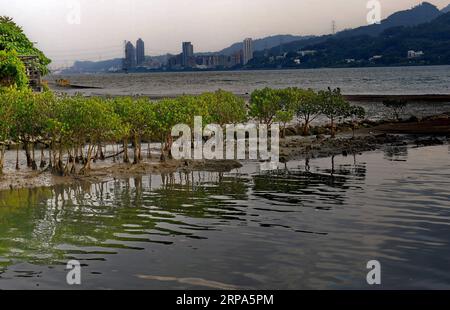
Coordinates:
[413,119]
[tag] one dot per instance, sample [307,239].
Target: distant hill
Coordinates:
[264,43]
[390,47]
[94,66]
[446,9]
[417,15]
[420,14]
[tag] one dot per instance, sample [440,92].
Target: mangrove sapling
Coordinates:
[307,107]
[334,107]
[356,114]
[169,113]
[134,118]
[264,105]
[284,117]
[99,123]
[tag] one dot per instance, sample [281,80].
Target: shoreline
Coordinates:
[406,97]
[293,148]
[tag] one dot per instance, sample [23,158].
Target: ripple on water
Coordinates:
[306,226]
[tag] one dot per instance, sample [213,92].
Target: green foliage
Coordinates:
[68,125]
[6,123]
[334,107]
[224,108]
[264,105]
[12,70]
[307,106]
[12,38]
[284,117]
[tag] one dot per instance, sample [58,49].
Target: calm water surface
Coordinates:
[303,227]
[401,80]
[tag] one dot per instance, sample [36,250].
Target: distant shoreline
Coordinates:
[250,70]
[436,98]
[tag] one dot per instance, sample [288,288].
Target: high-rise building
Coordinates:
[247,51]
[236,59]
[188,54]
[140,52]
[130,56]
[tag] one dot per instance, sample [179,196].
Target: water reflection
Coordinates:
[45,226]
[296,186]
[311,224]
[396,153]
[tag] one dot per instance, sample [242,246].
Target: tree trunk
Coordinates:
[50,163]
[136,150]
[17,157]
[33,158]
[140,148]
[87,165]
[27,154]
[306,127]
[333,129]
[2,158]
[169,143]
[42,163]
[163,155]
[126,159]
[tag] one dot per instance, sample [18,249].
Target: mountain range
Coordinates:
[422,13]
[357,47]
[281,44]
[390,48]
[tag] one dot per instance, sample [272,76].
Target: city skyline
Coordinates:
[135,59]
[97,33]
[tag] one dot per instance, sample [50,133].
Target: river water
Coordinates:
[303,227]
[400,80]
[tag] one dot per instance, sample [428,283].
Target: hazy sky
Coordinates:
[101,27]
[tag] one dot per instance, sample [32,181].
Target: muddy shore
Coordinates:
[433,130]
[27,178]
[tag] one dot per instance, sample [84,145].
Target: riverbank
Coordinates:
[430,131]
[434,130]
[106,170]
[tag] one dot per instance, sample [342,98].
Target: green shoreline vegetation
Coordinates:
[75,129]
